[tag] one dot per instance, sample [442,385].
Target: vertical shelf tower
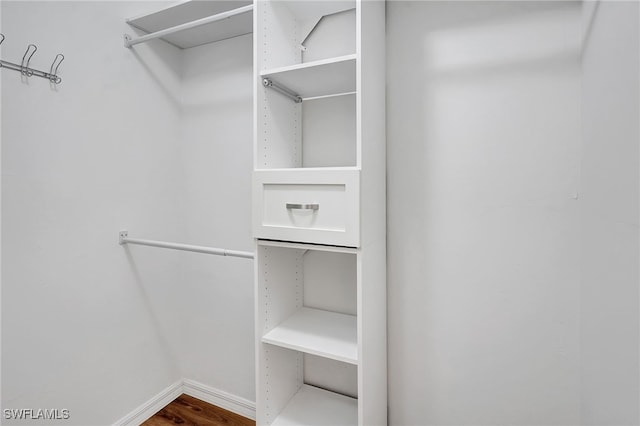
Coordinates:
[319,212]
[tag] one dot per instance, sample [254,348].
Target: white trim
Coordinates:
[222,399]
[152,406]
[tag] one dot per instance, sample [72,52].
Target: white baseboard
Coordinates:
[152,406]
[222,399]
[192,388]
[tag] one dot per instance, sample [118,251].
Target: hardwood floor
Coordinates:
[186,410]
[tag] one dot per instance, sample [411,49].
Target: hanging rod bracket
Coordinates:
[267,82]
[122,236]
[127,41]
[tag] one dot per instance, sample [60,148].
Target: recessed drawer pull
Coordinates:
[293,206]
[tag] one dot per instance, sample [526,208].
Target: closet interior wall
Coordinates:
[153,139]
[490,319]
[484,133]
[217,310]
[609,219]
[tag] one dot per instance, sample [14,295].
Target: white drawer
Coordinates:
[307,205]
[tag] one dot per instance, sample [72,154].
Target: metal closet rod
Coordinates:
[129,42]
[123,238]
[285,91]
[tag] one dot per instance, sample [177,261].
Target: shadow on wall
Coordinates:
[163,64]
[483,114]
[145,297]
[184,75]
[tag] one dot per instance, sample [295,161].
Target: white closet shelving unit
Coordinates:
[319,212]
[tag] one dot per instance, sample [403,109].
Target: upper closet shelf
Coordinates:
[326,77]
[193,23]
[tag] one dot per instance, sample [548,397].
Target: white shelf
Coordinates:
[319,78]
[308,246]
[312,406]
[189,11]
[317,332]
[302,170]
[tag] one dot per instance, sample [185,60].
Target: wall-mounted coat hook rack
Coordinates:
[24,69]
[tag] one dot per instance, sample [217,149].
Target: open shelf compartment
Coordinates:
[295,32]
[312,406]
[307,85]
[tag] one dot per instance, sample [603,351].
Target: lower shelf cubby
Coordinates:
[313,406]
[303,389]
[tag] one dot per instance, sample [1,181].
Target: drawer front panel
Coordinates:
[305,206]
[311,206]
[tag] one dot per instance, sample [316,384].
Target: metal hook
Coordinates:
[1,40]
[24,69]
[54,71]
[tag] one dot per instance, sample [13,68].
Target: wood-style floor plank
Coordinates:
[189,411]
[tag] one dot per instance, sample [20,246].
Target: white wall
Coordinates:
[609,216]
[483,140]
[154,139]
[85,326]
[217,159]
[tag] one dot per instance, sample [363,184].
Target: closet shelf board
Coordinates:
[318,78]
[189,11]
[312,406]
[317,332]
[306,170]
[308,246]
